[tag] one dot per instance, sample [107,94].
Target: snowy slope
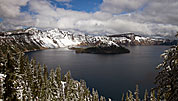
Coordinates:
[56,38]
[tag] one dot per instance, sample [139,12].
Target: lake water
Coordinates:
[111,75]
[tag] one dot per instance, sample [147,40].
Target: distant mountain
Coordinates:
[33,38]
[133,39]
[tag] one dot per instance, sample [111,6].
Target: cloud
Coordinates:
[119,6]
[156,18]
[67,5]
[64,0]
[11,8]
[162,11]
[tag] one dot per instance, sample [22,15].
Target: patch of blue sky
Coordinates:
[26,9]
[1,19]
[79,5]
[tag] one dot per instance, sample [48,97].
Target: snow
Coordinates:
[57,38]
[123,39]
[2,76]
[139,38]
[113,43]
[68,42]
[63,85]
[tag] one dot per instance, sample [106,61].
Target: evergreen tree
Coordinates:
[34,82]
[123,97]
[95,95]
[39,81]
[9,89]
[167,78]
[45,84]
[127,97]
[158,95]
[58,76]
[131,98]
[59,85]
[152,97]
[137,94]
[102,98]
[53,86]
[20,77]
[146,97]
[67,77]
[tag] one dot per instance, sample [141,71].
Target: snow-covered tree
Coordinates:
[137,94]
[9,87]
[167,79]
[146,97]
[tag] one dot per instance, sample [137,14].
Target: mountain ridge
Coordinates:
[56,38]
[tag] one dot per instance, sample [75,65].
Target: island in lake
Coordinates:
[102,48]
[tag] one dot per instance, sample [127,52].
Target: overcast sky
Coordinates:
[147,17]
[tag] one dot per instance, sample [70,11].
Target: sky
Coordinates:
[143,17]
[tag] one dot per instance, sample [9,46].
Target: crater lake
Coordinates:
[110,75]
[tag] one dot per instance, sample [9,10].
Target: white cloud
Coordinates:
[64,0]
[157,18]
[118,6]
[162,11]
[11,8]
[67,5]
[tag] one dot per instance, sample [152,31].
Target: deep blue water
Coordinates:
[111,75]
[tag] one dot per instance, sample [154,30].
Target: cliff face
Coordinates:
[32,38]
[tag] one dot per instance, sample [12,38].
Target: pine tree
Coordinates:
[131,98]
[59,85]
[167,78]
[127,97]
[158,95]
[146,97]
[28,80]
[67,77]
[34,82]
[53,86]
[20,77]
[152,97]
[39,80]
[137,94]
[9,89]
[45,84]
[58,76]
[123,97]
[102,98]
[95,95]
